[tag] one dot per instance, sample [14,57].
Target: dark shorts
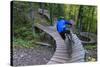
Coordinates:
[62,34]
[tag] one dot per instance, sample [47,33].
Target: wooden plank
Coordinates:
[61,57]
[53,62]
[78,50]
[77,60]
[80,60]
[61,51]
[58,60]
[77,54]
[61,54]
[42,43]
[61,46]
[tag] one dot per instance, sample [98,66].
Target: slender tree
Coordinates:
[51,13]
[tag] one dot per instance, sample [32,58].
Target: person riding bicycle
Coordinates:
[62,26]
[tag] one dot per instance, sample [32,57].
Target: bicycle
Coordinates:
[69,41]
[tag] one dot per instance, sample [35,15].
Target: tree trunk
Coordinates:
[51,13]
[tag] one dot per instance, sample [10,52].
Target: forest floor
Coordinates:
[31,56]
[91,53]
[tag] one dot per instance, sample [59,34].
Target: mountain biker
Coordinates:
[62,26]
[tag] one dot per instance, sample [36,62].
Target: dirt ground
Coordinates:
[32,56]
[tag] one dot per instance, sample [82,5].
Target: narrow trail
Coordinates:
[61,54]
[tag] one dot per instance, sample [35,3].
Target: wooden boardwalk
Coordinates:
[61,54]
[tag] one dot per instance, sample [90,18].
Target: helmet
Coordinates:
[61,17]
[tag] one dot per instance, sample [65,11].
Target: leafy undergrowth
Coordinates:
[91,59]
[91,52]
[24,43]
[90,47]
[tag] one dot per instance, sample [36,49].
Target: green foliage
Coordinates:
[23,43]
[90,47]
[85,18]
[23,32]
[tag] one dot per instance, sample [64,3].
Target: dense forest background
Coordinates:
[25,14]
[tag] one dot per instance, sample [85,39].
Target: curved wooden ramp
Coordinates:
[61,55]
[44,12]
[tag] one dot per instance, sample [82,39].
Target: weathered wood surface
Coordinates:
[44,12]
[42,43]
[61,54]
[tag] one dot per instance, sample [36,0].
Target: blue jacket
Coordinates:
[61,25]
